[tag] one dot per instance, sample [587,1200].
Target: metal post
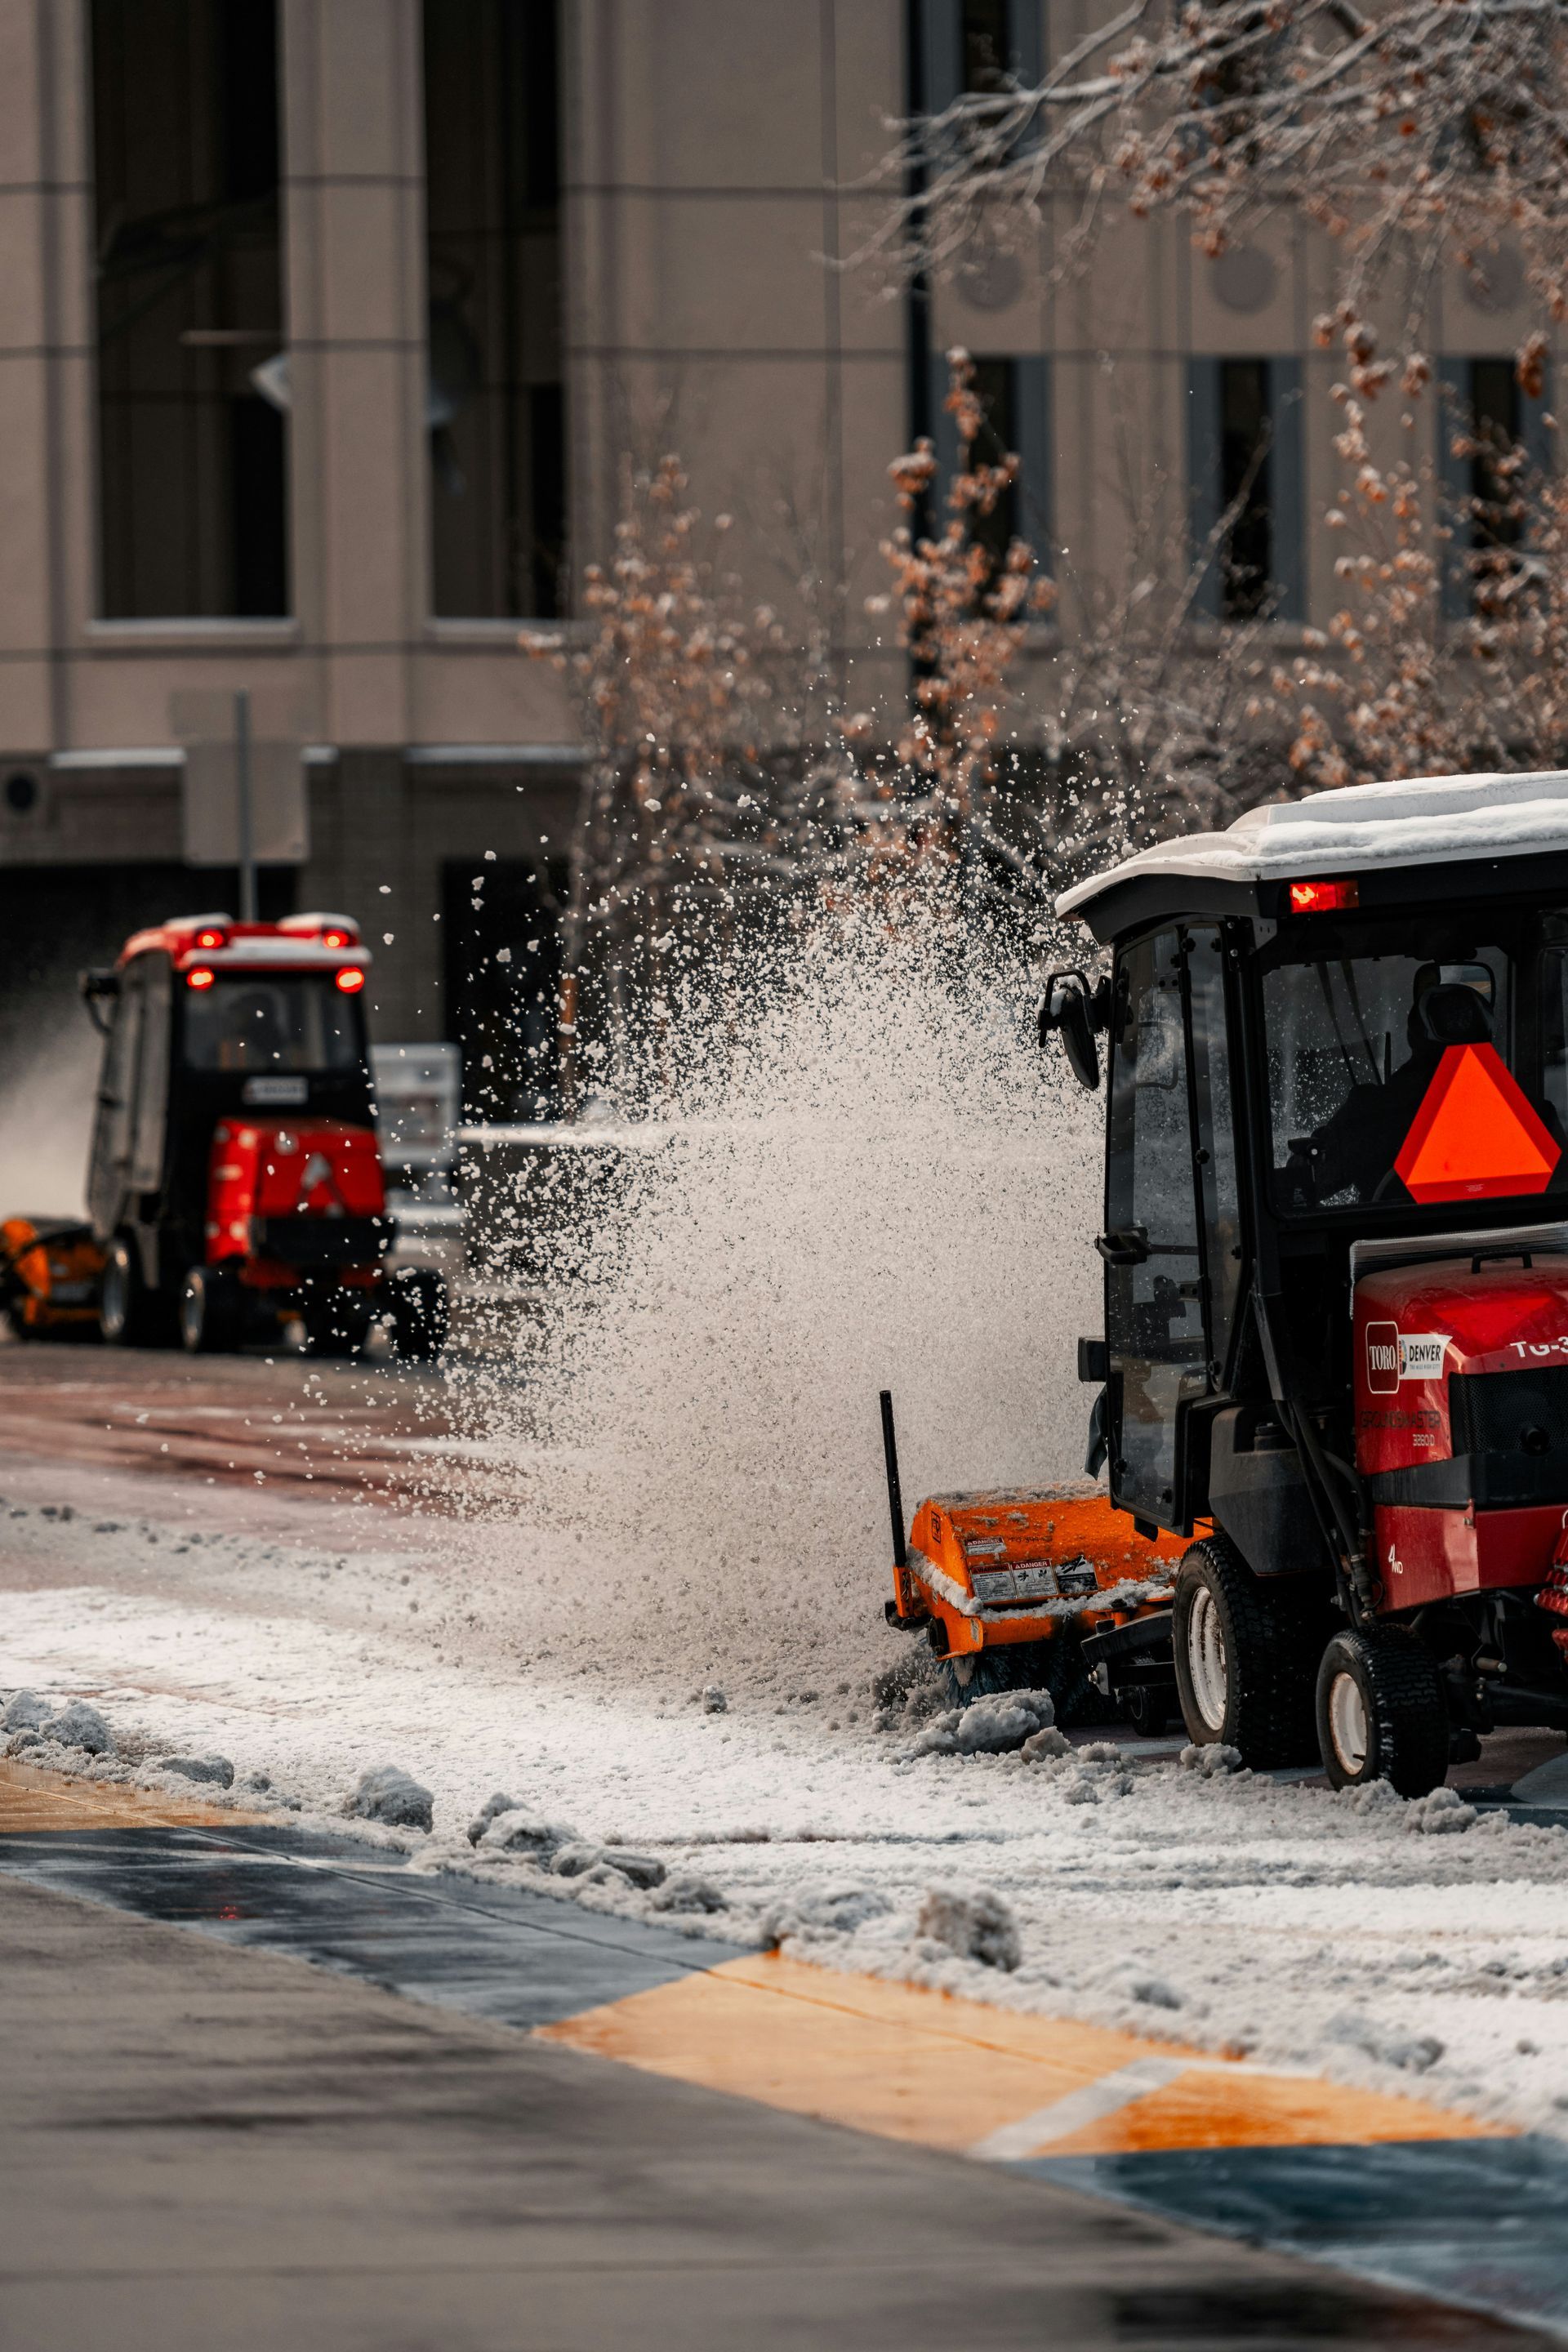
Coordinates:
[242,799]
[895,1492]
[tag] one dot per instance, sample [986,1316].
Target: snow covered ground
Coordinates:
[1392,1944]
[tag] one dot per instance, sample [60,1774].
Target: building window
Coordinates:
[988,35]
[192,436]
[496,415]
[1245,464]
[1014,389]
[1483,415]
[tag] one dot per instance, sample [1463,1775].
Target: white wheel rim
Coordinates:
[1207,1659]
[1347,1722]
[113,1295]
[191,1314]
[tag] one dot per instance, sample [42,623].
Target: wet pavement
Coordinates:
[234,2150]
[205,2144]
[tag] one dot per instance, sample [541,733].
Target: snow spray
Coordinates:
[870,1178]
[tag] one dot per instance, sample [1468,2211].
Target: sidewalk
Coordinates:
[207,2147]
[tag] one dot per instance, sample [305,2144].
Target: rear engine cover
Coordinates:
[1461,1421]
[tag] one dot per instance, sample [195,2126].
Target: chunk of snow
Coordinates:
[498,1803]
[1213,1761]
[713,1700]
[519,1830]
[1414,2053]
[1440,1810]
[388,1794]
[217,1770]
[25,1711]
[973,1922]
[989,1727]
[686,1892]
[81,1726]
[1041,1744]
[576,1860]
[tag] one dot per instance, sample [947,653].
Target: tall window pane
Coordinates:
[192,470]
[496,413]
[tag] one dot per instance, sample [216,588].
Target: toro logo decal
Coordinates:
[1393,1356]
[319,1193]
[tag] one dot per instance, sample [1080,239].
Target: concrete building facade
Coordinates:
[327,325]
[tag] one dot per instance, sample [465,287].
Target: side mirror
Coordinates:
[99,989]
[1071,1006]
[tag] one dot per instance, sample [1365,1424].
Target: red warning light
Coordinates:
[350,979]
[336,940]
[1323,898]
[211,938]
[202,977]
[1475,1135]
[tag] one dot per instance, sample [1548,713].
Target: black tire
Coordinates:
[210,1307]
[1245,1659]
[130,1315]
[337,1324]
[421,1316]
[1378,1693]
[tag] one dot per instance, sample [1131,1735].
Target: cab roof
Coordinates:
[299,942]
[1382,832]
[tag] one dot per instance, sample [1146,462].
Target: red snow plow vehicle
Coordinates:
[1334,1360]
[236,1180]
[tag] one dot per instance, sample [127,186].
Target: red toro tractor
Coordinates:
[236,1180]
[1334,1360]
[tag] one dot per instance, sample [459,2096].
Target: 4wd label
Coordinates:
[1393,1356]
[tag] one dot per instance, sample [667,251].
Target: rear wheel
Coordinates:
[130,1315]
[337,1325]
[1382,1715]
[420,1315]
[209,1311]
[1243,1659]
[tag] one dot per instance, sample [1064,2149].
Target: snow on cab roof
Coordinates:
[1427,820]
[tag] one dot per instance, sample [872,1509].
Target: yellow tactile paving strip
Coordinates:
[31,1799]
[916,2065]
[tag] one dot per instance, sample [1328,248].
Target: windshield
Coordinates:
[1417,1063]
[271,1021]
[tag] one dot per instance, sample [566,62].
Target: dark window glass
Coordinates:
[1216,1134]
[1246,471]
[192,467]
[1155,1318]
[988,43]
[271,1021]
[997,382]
[1356,1040]
[503,982]
[1496,425]
[493,226]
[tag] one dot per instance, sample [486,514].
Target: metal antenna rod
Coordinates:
[242,799]
[895,1492]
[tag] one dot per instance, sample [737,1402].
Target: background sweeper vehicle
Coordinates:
[236,1180]
[1332,1380]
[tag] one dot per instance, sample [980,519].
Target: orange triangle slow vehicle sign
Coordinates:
[1475,1136]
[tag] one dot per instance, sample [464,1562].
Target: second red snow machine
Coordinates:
[1334,1358]
[235,1182]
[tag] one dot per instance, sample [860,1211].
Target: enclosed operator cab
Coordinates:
[235,1182]
[1335,1342]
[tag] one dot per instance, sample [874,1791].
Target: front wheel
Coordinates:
[420,1313]
[1243,1659]
[130,1315]
[209,1311]
[1382,1715]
